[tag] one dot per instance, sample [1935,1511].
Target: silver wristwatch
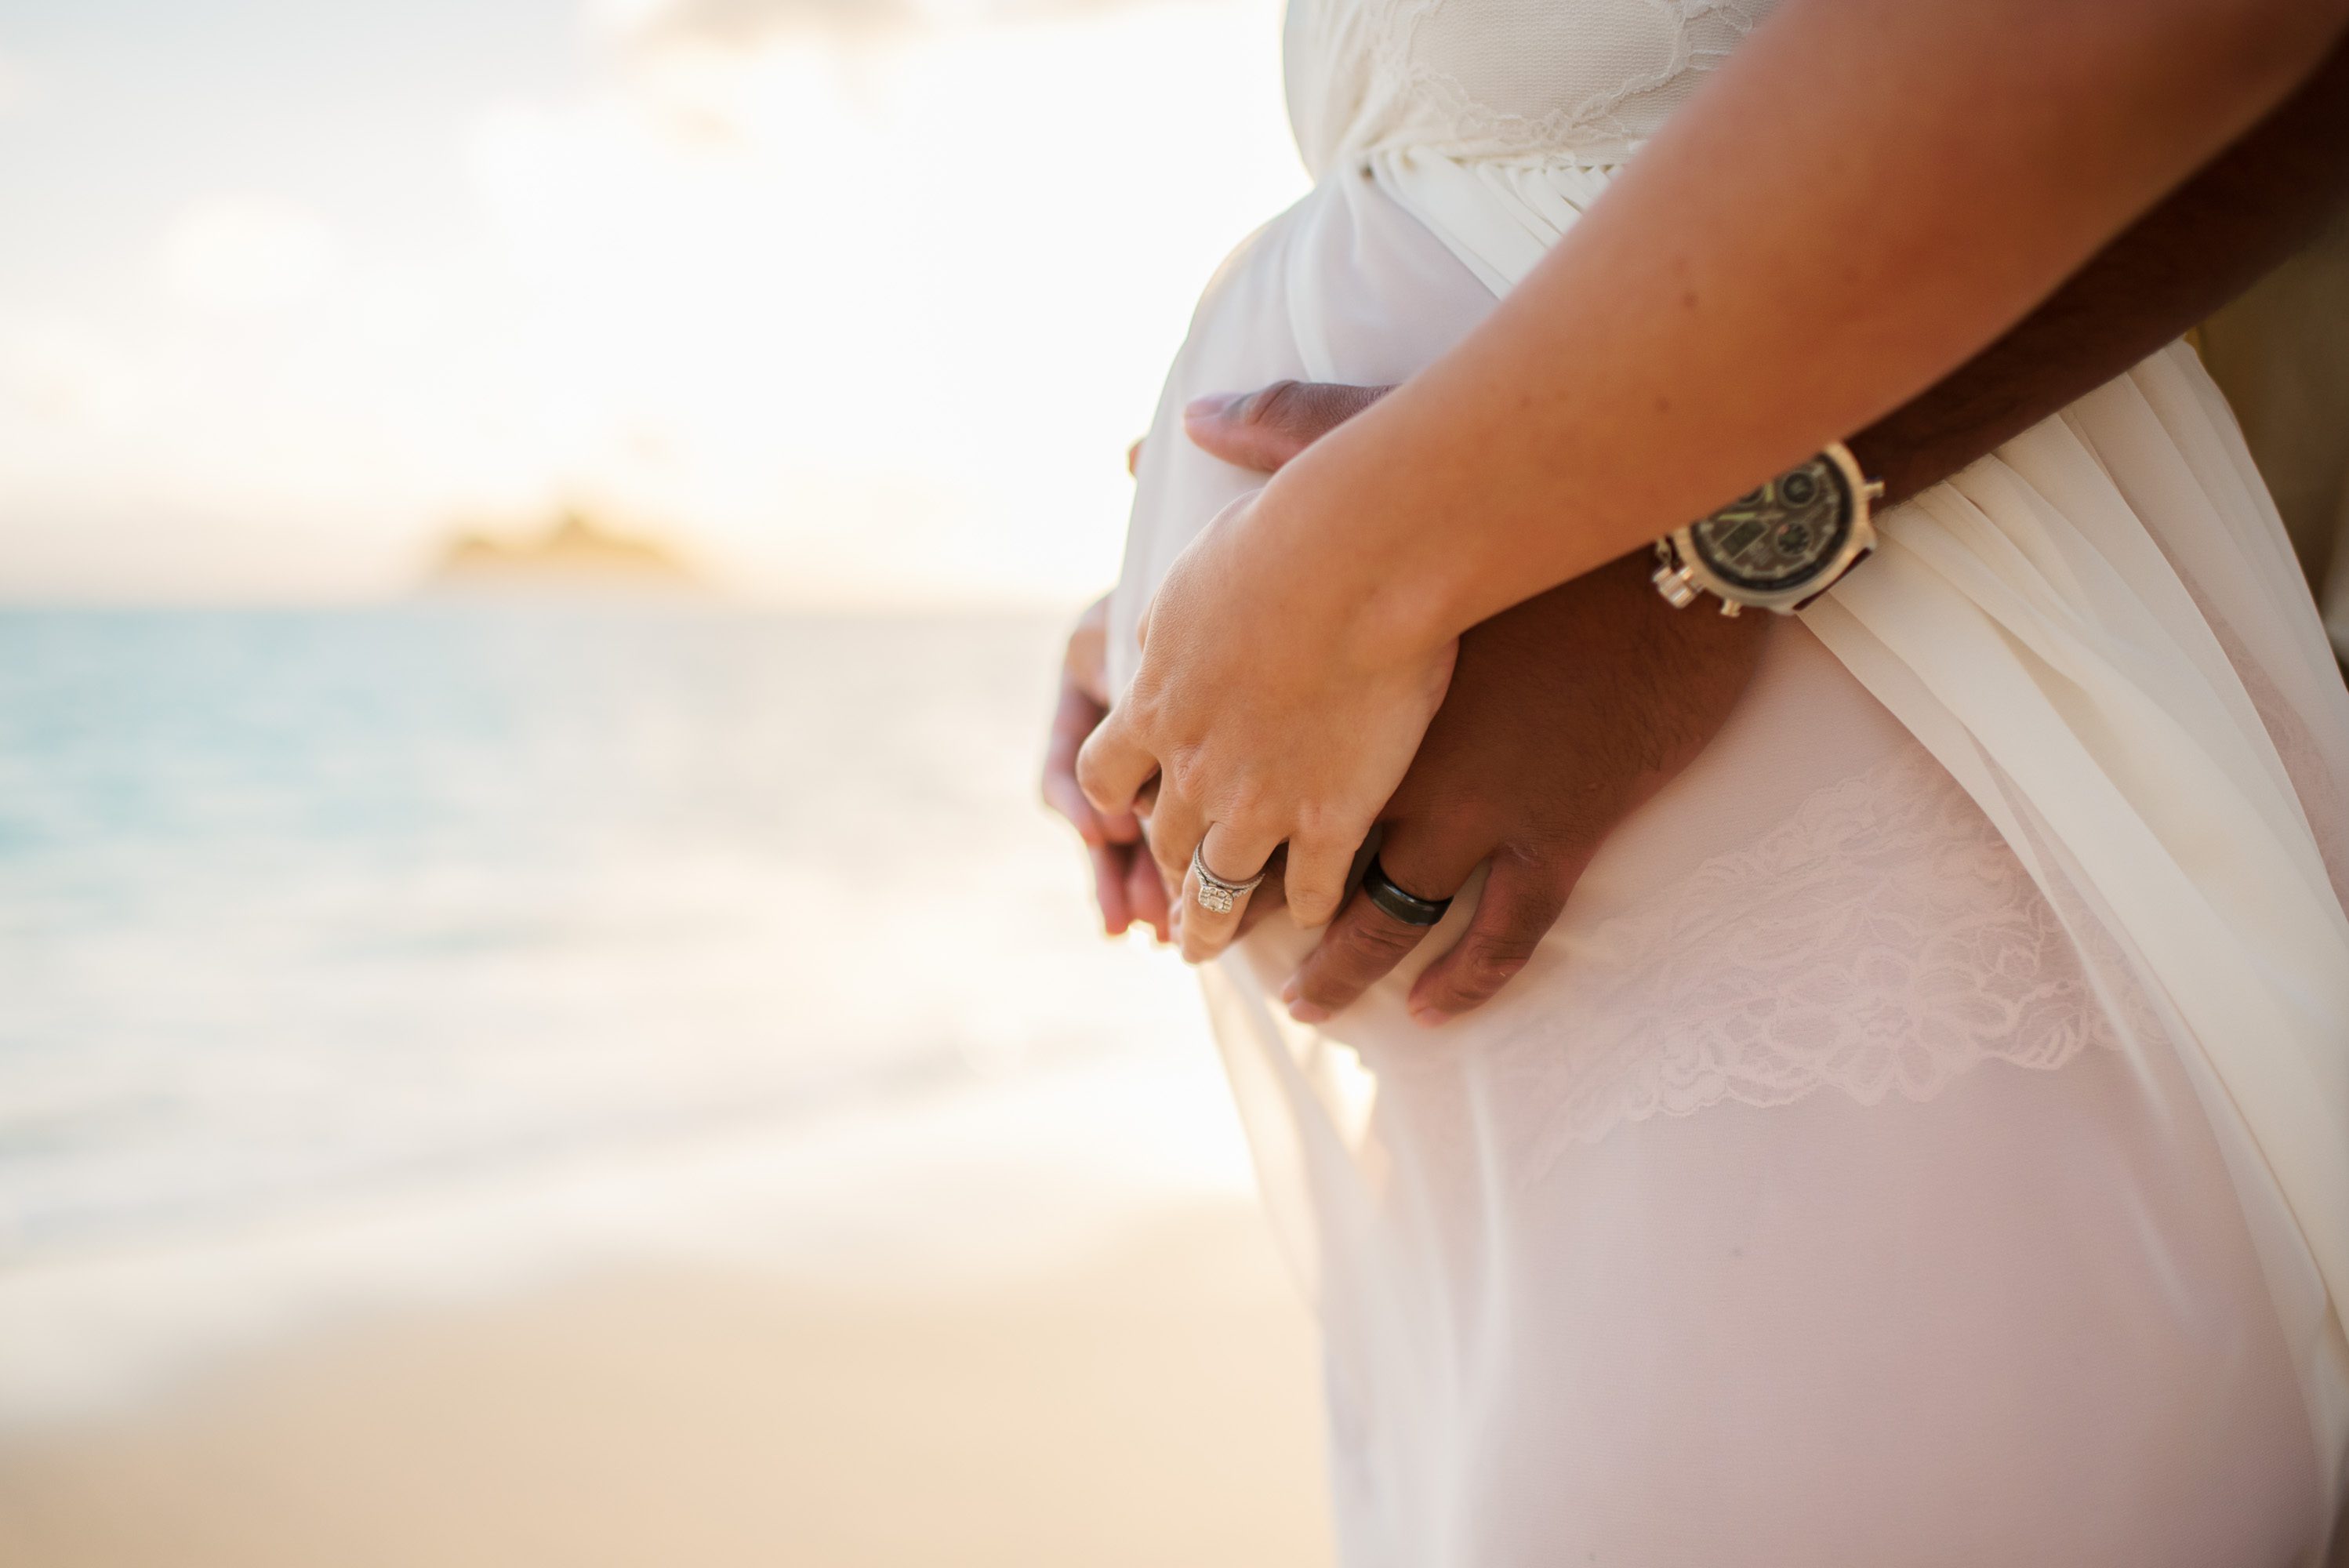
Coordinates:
[1779,547]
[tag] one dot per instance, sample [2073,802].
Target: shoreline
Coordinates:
[954,1189]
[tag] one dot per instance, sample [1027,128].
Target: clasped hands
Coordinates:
[1517,751]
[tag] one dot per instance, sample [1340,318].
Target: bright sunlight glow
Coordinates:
[857,303]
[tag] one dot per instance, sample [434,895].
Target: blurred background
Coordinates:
[540,1020]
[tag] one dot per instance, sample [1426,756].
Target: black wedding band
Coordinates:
[1408,908]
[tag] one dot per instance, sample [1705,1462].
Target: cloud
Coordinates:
[815,351]
[240,255]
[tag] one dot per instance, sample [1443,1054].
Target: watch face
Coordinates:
[1778,535]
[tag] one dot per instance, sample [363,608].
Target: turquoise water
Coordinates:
[298,905]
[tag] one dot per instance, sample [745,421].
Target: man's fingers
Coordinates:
[1061,794]
[1365,941]
[1112,766]
[1074,719]
[1521,902]
[1361,945]
[1084,664]
[1110,868]
[1264,429]
[1145,893]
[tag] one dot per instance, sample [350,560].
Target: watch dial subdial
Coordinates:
[1781,533]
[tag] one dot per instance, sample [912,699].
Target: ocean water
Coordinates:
[298,909]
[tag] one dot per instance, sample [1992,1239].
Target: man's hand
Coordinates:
[1564,714]
[1567,711]
[1125,879]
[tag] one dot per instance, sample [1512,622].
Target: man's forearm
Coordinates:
[1774,270]
[2253,206]
[2213,237]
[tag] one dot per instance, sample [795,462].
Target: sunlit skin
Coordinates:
[1527,768]
[1971,156]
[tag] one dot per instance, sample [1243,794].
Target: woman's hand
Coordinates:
[1753,308]
[1564,715]
[1125,880]
[1267,716]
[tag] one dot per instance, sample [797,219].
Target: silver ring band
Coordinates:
[1215,895]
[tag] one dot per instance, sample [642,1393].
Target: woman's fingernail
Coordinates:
[1308,1012]
[1208,408]
[1427,1017]
[1290,991]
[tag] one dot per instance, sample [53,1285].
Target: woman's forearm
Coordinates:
[1867,195]
[2250,209]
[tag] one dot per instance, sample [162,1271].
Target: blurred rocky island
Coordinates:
[574,553]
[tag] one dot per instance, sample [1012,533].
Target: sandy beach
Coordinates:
[658,1118]
[1036,1325]
[1150,1403]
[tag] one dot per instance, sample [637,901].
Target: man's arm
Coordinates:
[2216,235]
[2262,199]
[1528,771]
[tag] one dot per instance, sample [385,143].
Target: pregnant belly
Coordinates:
[1347,285]
[1741,1173]
[1343,286]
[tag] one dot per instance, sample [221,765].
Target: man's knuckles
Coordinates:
[1476,973]
[1375,937]
[1306,409]
[1495,960]
[1266,428]
[1295,410]
[1361,949]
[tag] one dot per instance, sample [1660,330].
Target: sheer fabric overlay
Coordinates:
[1920,1138]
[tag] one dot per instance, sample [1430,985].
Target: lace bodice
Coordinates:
[1576,80]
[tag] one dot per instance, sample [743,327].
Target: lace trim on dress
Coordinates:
[1434,107]
[1882,940]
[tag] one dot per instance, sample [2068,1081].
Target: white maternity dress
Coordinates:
[1922,1140]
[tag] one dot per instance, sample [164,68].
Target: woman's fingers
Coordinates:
[1315,880]
[1114,765]
[1268,900]
[1365,941]
[1175,827]
[1211,917]
[1521,902]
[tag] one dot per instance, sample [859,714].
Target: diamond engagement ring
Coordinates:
[1216,896]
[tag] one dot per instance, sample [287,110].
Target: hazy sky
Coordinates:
[861,299]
